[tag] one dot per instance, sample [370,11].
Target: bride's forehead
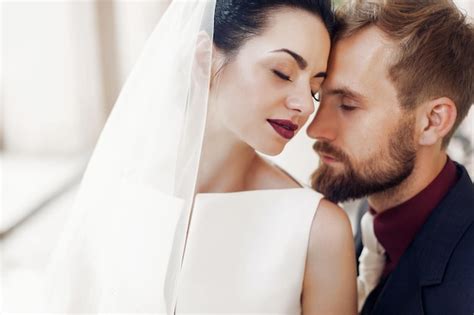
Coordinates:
[311,43]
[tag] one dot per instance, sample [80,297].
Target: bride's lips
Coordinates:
[283,127]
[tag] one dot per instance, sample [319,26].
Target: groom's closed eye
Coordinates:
[347,108]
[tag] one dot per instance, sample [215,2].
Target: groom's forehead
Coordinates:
[366,49]
[360,61]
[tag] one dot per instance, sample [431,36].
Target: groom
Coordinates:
[400,81]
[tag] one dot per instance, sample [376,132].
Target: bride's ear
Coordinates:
[203,54]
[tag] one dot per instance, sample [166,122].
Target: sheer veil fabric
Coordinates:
[123,247]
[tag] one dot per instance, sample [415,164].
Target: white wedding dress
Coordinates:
[246,252]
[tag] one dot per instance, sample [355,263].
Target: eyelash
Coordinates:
[287,78]
[281,75]
[316,96]
[347,108]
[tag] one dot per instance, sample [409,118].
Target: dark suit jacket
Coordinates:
[436,273]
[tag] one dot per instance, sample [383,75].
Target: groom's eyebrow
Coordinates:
[346,92]
[302,63]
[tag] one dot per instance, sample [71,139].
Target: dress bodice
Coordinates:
[246,252]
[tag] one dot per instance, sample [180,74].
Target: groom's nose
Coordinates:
[324,126]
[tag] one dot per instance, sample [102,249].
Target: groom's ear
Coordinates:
[437,118]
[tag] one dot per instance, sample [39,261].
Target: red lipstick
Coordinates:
[284,128]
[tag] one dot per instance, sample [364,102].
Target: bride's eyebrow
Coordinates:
[302,63]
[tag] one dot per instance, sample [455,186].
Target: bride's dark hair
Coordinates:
[235,21]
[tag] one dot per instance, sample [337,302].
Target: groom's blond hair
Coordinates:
[435,54]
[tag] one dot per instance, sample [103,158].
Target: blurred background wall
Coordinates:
[62,65]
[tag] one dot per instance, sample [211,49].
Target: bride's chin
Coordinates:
[271,150]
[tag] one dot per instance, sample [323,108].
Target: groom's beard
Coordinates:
[386,169]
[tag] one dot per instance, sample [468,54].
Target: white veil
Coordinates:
[127,233]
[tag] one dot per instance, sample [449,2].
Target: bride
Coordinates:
[177,212]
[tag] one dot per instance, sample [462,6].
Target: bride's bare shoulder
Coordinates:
[330,273]
[331,222]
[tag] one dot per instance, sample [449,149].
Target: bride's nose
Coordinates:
[301,102]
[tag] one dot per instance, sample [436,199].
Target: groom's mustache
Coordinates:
[323,148]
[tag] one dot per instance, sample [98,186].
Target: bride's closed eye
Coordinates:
[281,75]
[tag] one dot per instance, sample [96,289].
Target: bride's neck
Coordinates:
[225,162]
